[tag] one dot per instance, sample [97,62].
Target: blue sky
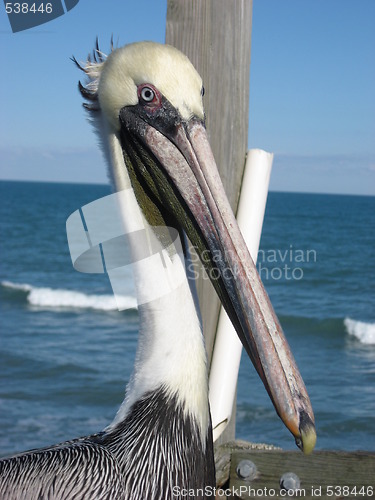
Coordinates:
[311,91]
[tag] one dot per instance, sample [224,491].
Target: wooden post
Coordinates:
[216,36]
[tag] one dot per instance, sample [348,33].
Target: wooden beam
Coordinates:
[323,474]
[216,36]
[319,473]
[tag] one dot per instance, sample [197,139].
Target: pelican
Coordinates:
[145,100]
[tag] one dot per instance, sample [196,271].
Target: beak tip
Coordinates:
[307,439]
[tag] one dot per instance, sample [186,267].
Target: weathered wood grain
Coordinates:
[323,474]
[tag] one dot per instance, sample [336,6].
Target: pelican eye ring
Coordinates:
[149,97]
[147,94]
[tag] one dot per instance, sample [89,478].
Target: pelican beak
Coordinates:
[173,161]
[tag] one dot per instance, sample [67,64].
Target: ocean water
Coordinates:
[66,352]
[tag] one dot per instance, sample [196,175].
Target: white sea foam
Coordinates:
[17,286]
[57,298]
[365,332]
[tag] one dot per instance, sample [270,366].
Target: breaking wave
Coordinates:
[364,332]
[60,298]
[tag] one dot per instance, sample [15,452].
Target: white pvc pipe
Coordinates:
[227,350]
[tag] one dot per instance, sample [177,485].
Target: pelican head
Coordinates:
[147,100]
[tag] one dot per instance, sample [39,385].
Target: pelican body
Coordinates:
[145,101]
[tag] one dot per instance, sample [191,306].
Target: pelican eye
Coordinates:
[147,94]
[149,97]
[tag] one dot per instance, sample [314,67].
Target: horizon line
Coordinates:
[100,183]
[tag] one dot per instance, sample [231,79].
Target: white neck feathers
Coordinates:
[171,352]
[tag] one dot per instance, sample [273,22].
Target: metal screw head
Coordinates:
[246,469]
[290,481]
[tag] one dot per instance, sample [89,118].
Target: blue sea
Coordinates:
[66,352]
